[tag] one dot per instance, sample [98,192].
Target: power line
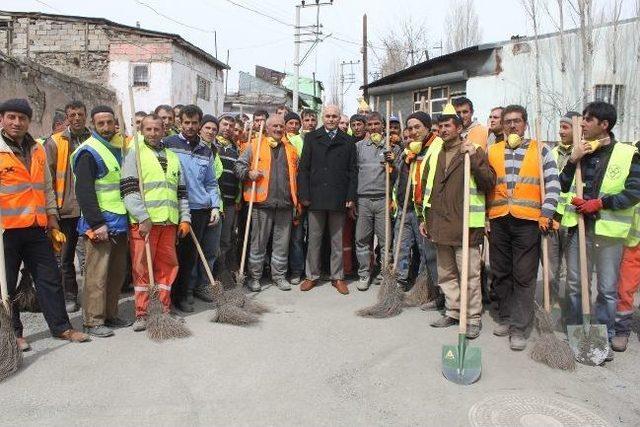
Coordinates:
[260,45]
[172,19]
[279,21]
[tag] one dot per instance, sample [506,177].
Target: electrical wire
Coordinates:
[278,20]
[172,19]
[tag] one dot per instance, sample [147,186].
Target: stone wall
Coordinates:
[47,90]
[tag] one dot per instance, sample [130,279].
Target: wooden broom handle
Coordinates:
[253,196]
[405,204]
[464,275]
[545,240]
[582,242]
[387,198]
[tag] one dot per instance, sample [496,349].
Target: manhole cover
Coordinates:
[528,410]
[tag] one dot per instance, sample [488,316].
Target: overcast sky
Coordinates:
[257,39]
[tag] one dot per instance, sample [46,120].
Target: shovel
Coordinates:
[589,343]
[462,364]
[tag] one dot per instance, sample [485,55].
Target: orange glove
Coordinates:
[555,225]
[544,224]
[57,239]
[183,229]
[90,234]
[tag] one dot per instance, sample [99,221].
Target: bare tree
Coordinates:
[559,26]
[404,45]
[531,8]
[463,26]
[584,10]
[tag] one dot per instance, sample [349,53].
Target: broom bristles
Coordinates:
[161,325]
[253,306]
[10,354]
[26,298]
[422,292]
[389,300]
[548,348]
[234,315]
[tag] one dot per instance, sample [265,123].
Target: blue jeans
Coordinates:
[605,254]
[297,247]
[411,236]
[211,248]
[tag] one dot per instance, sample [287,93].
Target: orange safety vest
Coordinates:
[264,165]
[62,163]
[22,196]
[524,201]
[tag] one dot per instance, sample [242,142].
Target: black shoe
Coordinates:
[189,299]
[204,293]
[184,306]
[117,323]
[444,322]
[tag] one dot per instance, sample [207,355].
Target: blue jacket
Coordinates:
[197,167]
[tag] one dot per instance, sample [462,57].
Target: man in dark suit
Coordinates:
[327,187]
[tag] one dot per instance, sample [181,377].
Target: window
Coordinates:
[204,88]
[141,75]
[439,98]
[613,94]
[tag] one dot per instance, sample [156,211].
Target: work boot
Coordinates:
[341,286]
[610,355]
[282,284]
[619,343]
[254,285]
[184,306]
[295,279]
[444,322]
[501,330]
[363,284]
[72,335]
[71,306]
[517,342]
[100,331]
[307,285]
[140,324]
[204,292]
[189,299]
[117,323]
[23,345]
[435,304]
[473,330]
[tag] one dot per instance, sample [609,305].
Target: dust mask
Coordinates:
[514,140]
[415,147]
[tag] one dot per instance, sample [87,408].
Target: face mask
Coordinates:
[565,146]
[595,144]
[376,138]
[273,143]
[514,140]
[222,140]
[415,147]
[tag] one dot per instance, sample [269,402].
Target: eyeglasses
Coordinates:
[513,121]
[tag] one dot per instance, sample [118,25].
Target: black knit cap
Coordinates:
[102,109]
[358,118]
[422,116]
[209,118]
[291,116]
[18,105]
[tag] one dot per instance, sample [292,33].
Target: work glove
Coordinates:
[545,224]
[57,239]
[215,217]
[183,229]
[555,225]
[254,175]
[577,201]
[590,207]
[145,227]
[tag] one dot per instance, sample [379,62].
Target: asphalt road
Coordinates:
[311,361]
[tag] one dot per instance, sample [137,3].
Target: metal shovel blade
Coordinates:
[461,364]
[589,343]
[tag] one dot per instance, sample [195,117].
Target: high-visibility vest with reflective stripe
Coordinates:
[264,165]
[160,187]
[62,163]
[610,223]
[22,196]
[633,238]
[416,171]
[563,199]
[476,200]
[107,187]
[524,201]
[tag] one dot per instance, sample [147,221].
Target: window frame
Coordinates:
[140,83]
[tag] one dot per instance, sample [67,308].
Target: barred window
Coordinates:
[204,88]
[141,75]
[613,94]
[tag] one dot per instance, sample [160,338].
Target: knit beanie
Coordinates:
[424,118]
[568,117]
[17,105]
[208,118]
[358,118]
[291,116]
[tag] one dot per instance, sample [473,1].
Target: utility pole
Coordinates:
[311,36]
[365,63]
[348,78]
[226,80]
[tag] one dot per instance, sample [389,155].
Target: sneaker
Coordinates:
[117,323]
[282,284]
[363,284]
[71,306]
[100,331]
[444,322]
[204,293]
[517,342]
[140,324]
[296,279]
[254,285]
[473,331]
[619,343]
[501,330]
[184,306]
[610,355]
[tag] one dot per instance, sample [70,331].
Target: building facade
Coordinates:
[160,68]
